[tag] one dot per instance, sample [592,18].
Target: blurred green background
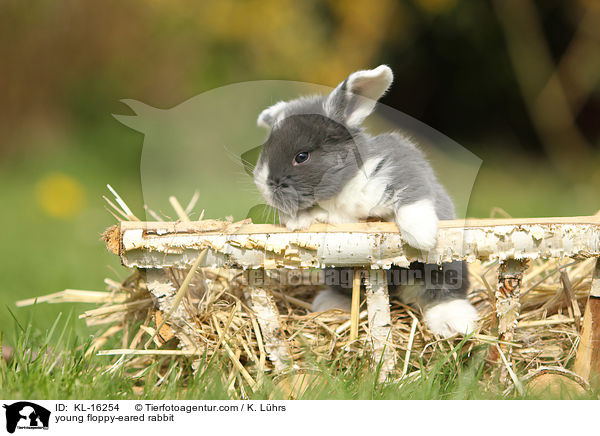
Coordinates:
[513,81]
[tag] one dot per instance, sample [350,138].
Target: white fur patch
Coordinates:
[360,198]
[418,224]
[261,175]
[271,115]
[452,317]
[329,299]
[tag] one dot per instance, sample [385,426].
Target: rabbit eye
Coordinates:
[301,158]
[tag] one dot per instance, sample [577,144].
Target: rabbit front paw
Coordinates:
[418,224]
[299,223]
[304,219]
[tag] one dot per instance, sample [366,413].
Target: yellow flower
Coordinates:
[60,195]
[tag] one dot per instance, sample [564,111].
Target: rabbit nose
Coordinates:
[277,183]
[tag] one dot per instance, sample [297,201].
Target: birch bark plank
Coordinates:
[163,244]
[380,323]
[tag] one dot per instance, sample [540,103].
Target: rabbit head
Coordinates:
[312,148]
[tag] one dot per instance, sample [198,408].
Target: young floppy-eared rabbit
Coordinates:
[319,165]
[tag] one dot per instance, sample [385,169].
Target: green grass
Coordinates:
[51,364]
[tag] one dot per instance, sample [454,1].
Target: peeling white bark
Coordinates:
[163,290]
[163,244]
[508,296]
[380,324]
[268,318]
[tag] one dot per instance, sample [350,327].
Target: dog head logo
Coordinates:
[26,415]
[196,147]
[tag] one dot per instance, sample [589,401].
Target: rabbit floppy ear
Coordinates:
[354,99]
[271,115]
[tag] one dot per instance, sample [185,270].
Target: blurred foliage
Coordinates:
[67,63]
[70,61]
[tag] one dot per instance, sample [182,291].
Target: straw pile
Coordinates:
[222,324]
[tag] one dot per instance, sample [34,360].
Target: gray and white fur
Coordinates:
[319,165]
